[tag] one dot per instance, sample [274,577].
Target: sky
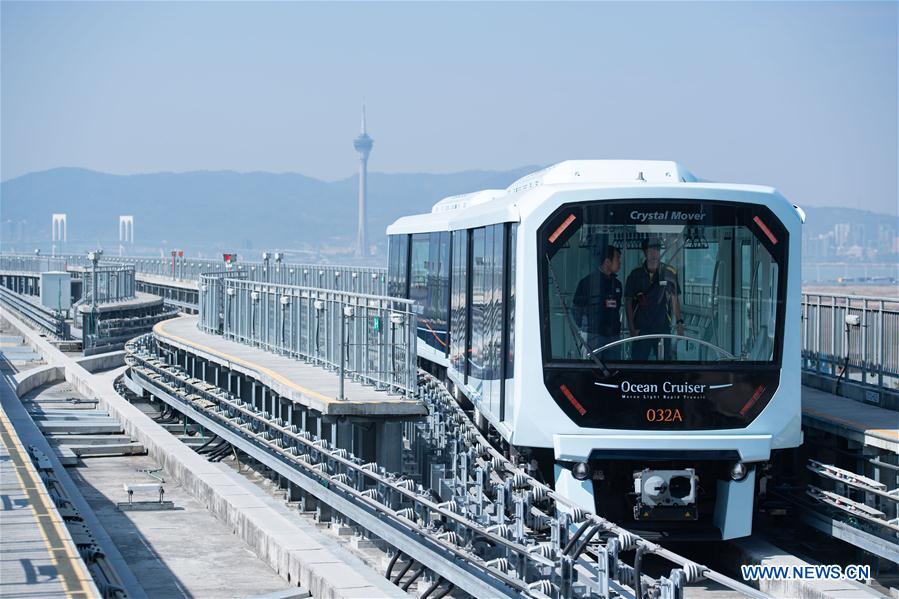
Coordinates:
[800,96]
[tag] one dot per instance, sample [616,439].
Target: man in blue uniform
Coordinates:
[651,302]
[598,299]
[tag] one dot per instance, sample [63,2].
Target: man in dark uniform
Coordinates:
[651,302]
[598,299]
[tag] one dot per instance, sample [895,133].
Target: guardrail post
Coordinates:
[881,329]
[833,335]
[864,348]
[342,349]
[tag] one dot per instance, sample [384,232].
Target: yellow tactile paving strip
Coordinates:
[887,433]
[71,568]
[161,329]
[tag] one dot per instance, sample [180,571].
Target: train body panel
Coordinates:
[507,318]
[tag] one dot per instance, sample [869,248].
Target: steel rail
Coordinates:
[44,318]
[359,469]
[836,474]
[849,507]
[479,579]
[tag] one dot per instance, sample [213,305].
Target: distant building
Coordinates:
[363,144]
[819,246]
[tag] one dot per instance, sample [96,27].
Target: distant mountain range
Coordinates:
[206,209]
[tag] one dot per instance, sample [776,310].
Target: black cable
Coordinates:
[414,577]
[638,565]
[587,539]
[583,527]
[219,448]
[206,444]
[207,448]
[402,573]
[446,591]
[212,455]
[432,588]
[836,387]
[228,450]
[219,453]
[390,565]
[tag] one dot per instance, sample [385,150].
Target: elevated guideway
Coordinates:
[97,306]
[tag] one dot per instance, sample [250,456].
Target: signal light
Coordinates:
[739,471]
[580,471]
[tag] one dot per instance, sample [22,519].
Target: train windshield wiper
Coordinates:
[574,329]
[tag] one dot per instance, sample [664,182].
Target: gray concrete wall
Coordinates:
[38,377]
[102,361]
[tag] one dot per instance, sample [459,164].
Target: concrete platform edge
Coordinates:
[30,434]
[258,528]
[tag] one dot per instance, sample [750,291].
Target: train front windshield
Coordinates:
[667,281]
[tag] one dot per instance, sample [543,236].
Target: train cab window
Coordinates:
[662,281]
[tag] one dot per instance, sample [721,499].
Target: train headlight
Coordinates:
[739,471]
[680,486]
[580,471]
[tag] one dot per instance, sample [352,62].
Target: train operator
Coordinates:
[598,298]
[651,303]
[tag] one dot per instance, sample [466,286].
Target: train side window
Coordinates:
[397,265]
[495,319]
[507,407]
[459,304]
[475,352]
[428,286]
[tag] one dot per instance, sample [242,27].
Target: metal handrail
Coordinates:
[31,263]
[359,279]
[114,283]
[368,338]
[852,333]
[52,321]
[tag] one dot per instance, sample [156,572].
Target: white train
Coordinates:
[623,327]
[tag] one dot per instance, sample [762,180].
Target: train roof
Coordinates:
[453,211]
[605,172]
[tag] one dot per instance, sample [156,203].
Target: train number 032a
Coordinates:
[663,415]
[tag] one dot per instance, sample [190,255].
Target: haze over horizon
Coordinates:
[801,97]
[352,177]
